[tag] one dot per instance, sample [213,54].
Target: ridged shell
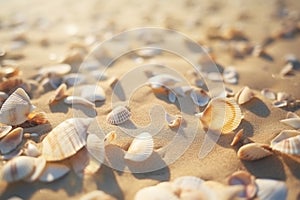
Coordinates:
[4,130]
[11,140]
[118,115]
[40,164]
[244,95]
[141,148]
[287,141]
[97,195]
[245,179]
[173,121]
[95,147]
[92,93]
[221,114]
[53,171]
[253,151]
[155,193]
[18,168]
[16,108]
[292,119]
[65,139]
[199,97]
[163,80]
[60,93]
[188,183]
[271,189]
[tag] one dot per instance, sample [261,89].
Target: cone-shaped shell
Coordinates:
[244,95]
[11,140]
[287,141]
[118,115]
[65,139]
[16,108]
[221,114]
[253,151]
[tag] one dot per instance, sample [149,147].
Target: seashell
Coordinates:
[199,97]
[286,70]
[10,83]
[188,183]
[53,171]
[237,137]
[245,179]
[292,120]
[282,96]
[118,115]
[92,167]
[148,52]
[58,69]
[171,97]
[60,93]
[15,198]
[173,122]
[12,154]
[8,72]
[271,189]
[279,104]
[65,139]
[254,151]
[95,147]
[288,141]
[15,109]
[55,81]
[71,100]
[11,140]
[244,95]
[80,161]
[4,130]
[40,164]
[221,114]
[31,149]
[18,168]
[141,148]
[268,94]
[92,93]
[229,92]
[112,81]
[37,118]
[154,193]
[97,195]
[163,80]
[230,75]
[215,76]
[74,79]
[110,137]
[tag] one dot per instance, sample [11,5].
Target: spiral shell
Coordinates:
[118,115]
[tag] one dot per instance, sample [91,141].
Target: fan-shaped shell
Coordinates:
[271,189]
[97,195]
[199,97]
[253,151]
[95,147]
[221,114]
[292,119]
[155,193]
[118,115]
[92,93]
[11,140]
[18,168]
[287,142]
[244,95]
[53,171]
[4,130]
[65,139]
[141,148]
[16,108]
[245,179]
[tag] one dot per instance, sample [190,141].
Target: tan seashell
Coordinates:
[65,139]
[11,140]
[16,108]
[221,114]
[237,137]
[9,72]
[268,94]
[288,141]
[244,95]
[95,147]
[254,151]
[40,164]
[31,149]
[141,148]
[199,97]
[4,130]
[60,93]
[269,189]
[245,179]
[173,122]
[58,69]
[118,115]
[111,136]
[152,192]
[97,195]
[286,70]
[282,96]
[92,92]
[71,100]
[53,171]
[18,168]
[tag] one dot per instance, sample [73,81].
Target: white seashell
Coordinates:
[59,69]
[4,130]
[171,97]
[95,147]
[188,183]
[173,122]
[268,94]
[245,179]
[60,93]
[163,80]
[72,79]
[154,193]
[279,104]
[237,137]
[18,168]
[148,52]
[286,70]
[65,139]
[230,75]
[118,115]
[288,141]
[215,76]
[92,93]
[53,171]
[141,148]
[253,151]
[282,96]
[11,140]
[244,95]
[40,164]
[15,109]
[12,154]
[71,100]
[292,120]
[271,189]
[110,137]
[224,191]
[31,149]
[199,97]
[97,195]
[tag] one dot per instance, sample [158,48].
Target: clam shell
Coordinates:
[244,95]
[53,171]
[71,100]
[245,179]
[95,147]
[253,151]
[237,137]
[18,168]
[11,140]
[271,189]
[268,94]
[188,183]
[40,164]
[4,130]
[60,93]
[218,109]
[15,109]
[199,97]
[97,195]
[141,148]
[118,115]
[287,141]
[110,137]
[172,121]
[59,69]
[65,139]
[154,193]
[163,80]
[92,93]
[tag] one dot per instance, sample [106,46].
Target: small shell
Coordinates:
[118,115]
[291,115]
[40,164]
[11,140]
[268,94]
[72,79]
[271,189]
[221,114]
[110,137]
[199,97]
[173,122]
[286,70]
[31,149]
[287,142]
[141,148]
[253,151]
[237,137]
[71,100]
[154,193]
[4,130]
[59,69]
[244,95]
[92,93]
[65,139]
[171,97]
[292,120]
[97,195]
[215,76]
[60,93]
[95,147]
[18,168]
[188,183]
[230,75]
[53,171]
[15,109]
[245,179]
[163,80]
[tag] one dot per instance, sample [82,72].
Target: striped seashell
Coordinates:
[11,140]
[288,141]
[268,94]
[245,179]
[60,93]
[152,193]
[65,139]
[269,189]
[95,147]
[16,108]
[97,194]
[92,92]
[141,148]
[244,95]
[4,130]
[18,168]
[40,164]
[292,119]
[188,183]
[71,100]
[199,97]
[222,115]
[118,115]
[254,151]
[53,171]
[173,122]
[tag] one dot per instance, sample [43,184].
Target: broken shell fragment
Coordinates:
[244,95]
[230,75]
[188,183]
[53,171]
[118,115]
[171,96]
[286,70]
[254,151]
[11,140]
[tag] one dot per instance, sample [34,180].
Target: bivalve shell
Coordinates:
[11,140]
[118,115]
[244,95]
[53,171]
[254,151]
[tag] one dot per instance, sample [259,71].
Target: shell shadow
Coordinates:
[59,107]
[257,107]
[118,91]
[293,164]
[248,128]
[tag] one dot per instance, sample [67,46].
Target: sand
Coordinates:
[48,21]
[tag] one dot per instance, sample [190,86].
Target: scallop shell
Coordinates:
[15,109]
[141,148]
[59,69]
[60,93]
[287,141]
[218,109]
[53,171]
[173,122]
[188,183]
[97,195]
[271,189]
[4,130]
[11,140]
[268,94]
[199,97]
[155,193]
[163,80]
[71,100]
[95,147]
[18,168]
[253,151]
[245,179]
[65,139]
[40,164]
[118,115]
[244,95]
[110,137]
[92,93]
